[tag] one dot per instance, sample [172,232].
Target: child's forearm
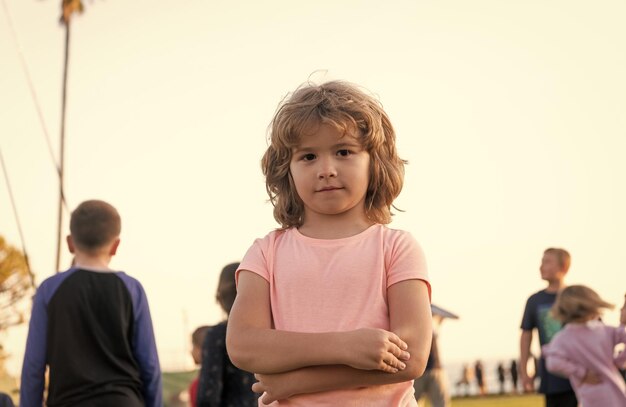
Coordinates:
[325,378]
[271,351]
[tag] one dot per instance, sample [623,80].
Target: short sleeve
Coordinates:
[405,259]
[258,258]
[529,320]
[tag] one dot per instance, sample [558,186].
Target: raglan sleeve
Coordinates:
[145,350]
[34,365]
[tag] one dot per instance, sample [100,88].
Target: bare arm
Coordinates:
[255,347]
[410,318]
[525,341]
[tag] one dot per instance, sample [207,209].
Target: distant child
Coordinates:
[513,370]
[480,379]
[221,384]
[91,326]
[330,305]
[583,350]
[557,390]
[197,339]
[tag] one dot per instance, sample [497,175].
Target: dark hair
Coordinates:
[226,288]
[94,224]
[197,337]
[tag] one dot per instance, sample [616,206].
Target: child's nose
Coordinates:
[326,169]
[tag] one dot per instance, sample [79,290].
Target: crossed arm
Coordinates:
[297,363]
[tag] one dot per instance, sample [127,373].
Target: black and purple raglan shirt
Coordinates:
[94,331]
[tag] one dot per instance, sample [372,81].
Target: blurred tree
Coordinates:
[15,285]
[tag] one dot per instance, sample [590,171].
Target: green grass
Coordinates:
[532,400]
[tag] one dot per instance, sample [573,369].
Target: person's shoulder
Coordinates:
[217,328]
[49,285]
[398,238]
[539,295]
[125,276]
[273,238]
[393,234]
[132,284]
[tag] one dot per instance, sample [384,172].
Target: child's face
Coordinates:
[551,269]
[331,174]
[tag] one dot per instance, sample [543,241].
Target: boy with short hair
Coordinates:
[91,326]
[557,390]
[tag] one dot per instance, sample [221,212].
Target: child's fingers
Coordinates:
[398,353]
[399,347]
[385,367]
[395,339]
[391,364]
[258,387]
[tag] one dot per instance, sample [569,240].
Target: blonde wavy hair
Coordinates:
[351,111]
[578,303]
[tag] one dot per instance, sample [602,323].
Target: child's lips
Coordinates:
[328,189]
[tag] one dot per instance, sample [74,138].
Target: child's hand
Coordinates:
[275,386]
[376,349]
[591,377]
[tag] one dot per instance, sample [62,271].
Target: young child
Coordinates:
[334,307]
[220,383]
[197,339]
[583,350]
[558,392]
[91,326]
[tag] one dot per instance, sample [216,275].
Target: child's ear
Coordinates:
[114,247]
[70,244]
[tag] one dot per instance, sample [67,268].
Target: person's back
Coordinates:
[91,326]
[220,383]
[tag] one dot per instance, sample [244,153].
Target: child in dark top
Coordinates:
[557,390]
[91,326]
[222,384]
[197,339]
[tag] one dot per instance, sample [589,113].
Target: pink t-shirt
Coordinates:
[320,285]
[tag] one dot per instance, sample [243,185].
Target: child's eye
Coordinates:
[344,153]
[308,157]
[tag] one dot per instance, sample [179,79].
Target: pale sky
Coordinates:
[512,115]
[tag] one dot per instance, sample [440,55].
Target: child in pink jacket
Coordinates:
[584,350]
